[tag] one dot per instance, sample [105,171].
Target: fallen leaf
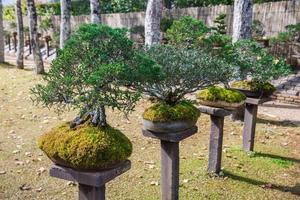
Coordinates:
[25,187]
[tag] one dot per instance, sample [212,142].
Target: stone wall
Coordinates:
[274,15]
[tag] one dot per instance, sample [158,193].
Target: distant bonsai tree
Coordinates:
[254,62]
[91,71]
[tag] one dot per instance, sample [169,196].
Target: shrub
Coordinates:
[216,93]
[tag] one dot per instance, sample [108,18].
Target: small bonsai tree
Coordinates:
[182,71]
[254,62]
[187,32]
[90,73]
[220,24]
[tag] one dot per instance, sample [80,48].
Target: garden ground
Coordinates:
[272,172]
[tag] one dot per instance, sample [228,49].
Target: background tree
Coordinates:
[34,40]
[95,11]
[242,19]
[65,24]
[152,22]
[1,34]
[20,31]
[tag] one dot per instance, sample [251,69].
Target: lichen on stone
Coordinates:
[216,93]
[254,86]
[162,112]
[86,147]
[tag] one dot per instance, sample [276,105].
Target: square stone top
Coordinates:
[171,137]
[256,101]
[219,112]
[95,179]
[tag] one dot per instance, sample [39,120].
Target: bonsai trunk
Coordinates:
[96,117]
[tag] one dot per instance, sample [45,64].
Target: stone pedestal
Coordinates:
[250,122]
[91,184]
[170,160]
[216,136]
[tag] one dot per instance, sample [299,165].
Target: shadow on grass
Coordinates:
[266,155]
[294,190]
[7,65]
[283,123]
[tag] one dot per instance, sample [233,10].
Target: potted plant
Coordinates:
[215,96]
[89,74]
[253,88]
[255,67]
[182,71]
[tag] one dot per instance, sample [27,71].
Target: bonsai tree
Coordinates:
[182,71]
[91,71]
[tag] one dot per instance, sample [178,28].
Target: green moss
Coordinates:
[162,112]
[215,93]
[254,86]
[86,147]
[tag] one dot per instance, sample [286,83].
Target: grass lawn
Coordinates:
[271,172]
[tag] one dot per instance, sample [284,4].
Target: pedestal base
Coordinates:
[91,184]
[170,160]
[250,122]
[216,136]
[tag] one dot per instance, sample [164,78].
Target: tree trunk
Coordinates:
[37,56]
[242,19]
[1,34]
[20,30]
[65,25]
[152,22]
[96,19]
[95,11]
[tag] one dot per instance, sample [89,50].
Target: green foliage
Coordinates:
[253,60]
[182,71]
[46,20]
[216,93]
[162,112]
[166,24]
[187,32]
[215,40]
[265,87]
[292,34]
[220,24]
[91,71]
[86,147]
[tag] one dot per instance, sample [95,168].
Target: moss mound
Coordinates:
[86,147]
[162,112]
[254,86]
[215,93]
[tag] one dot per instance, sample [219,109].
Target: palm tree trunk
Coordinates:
[20,30]
[37,56]
[95,11]
[1,34]
[242,19]
[65,24]
[152,22]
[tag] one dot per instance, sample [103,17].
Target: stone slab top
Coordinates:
[171,137]
[95,179]
[219,112]
[255,101]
